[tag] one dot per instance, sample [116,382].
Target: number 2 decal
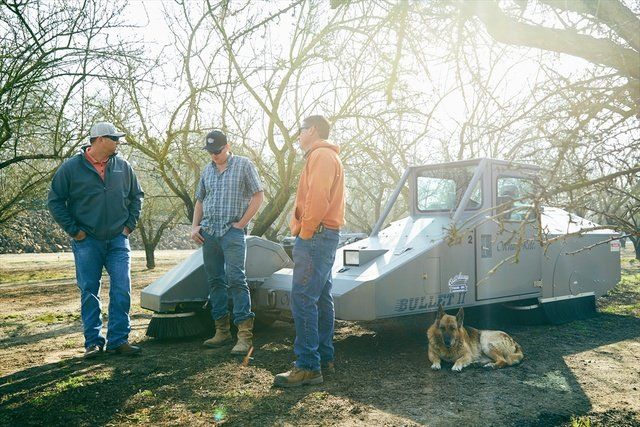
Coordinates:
[470,239]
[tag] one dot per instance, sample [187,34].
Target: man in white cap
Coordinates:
[95,197]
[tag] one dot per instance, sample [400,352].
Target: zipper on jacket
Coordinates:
[107,172]
[104,187]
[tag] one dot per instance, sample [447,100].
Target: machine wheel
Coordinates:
[262,321]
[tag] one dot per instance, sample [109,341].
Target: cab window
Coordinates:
[514,200]
[442,189]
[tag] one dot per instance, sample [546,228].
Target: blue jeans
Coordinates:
[311,300]
[91,256]
[224,259]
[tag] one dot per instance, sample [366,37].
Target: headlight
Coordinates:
[351,257]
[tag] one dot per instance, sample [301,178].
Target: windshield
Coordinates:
[442,189]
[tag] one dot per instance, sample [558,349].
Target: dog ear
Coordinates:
[440,312]
[460,317]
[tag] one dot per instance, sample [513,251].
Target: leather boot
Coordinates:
[223,333]
[297,377]
[245,334]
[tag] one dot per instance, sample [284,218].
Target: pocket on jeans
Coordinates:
[79,245]
[235,233]
[302,242]
[303,261]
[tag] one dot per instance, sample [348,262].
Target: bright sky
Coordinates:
[149,15]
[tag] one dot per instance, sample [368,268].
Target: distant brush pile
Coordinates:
[35,231]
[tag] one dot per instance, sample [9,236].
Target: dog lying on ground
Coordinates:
[451,341]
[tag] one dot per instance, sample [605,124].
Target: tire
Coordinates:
[262,321]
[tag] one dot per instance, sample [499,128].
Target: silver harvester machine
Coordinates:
[471,237]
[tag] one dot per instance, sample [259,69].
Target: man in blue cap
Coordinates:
[229,194]
[95,197]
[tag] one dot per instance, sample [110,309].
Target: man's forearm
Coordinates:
[135,208]
[197,214]
[135,202]
[57,203]
[196,234]
[254,205]
[60,213]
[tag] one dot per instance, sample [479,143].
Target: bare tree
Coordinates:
[159,215]
[259,106]
[580,125]
[48,53]
[333,64]
[590,122]
[359,62]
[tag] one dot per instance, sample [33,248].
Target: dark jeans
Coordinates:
[224,259]
[91,256]
[311,300]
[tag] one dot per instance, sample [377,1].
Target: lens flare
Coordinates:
[219,413]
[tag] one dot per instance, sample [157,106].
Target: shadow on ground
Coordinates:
[382,378]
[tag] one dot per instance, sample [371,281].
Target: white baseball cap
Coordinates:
[104,129]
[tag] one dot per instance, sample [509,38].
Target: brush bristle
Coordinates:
[568,310]
[178,327]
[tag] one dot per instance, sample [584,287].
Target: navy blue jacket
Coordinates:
[80,200]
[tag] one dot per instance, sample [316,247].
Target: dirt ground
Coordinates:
[581,373]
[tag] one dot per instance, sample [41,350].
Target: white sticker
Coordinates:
[458,283]
[615,245]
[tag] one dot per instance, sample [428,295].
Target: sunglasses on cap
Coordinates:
[113,138]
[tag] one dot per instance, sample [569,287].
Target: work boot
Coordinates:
[92,351]
[328,367]
[125,349]
[245,333]
[297,377]
[223,333]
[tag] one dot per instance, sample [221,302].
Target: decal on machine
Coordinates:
[458,283]
[615,245]
[429,301]
[507,246]
[485,248]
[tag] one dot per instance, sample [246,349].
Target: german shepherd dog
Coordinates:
[451,341]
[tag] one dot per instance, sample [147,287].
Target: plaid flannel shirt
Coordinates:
[225,196]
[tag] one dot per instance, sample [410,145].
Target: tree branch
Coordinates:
[599,51]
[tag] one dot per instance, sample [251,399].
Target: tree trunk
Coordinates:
[636,245]
[270,213]
[150,255]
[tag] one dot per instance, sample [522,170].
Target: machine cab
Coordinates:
[491,202]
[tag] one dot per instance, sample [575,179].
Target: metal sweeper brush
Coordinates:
[179,325]
[185,318]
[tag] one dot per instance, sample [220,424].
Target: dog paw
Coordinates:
[490,366]
[435,366]
[457,368]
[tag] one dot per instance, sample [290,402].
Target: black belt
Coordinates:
[322,227]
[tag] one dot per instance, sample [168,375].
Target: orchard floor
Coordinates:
[581,372]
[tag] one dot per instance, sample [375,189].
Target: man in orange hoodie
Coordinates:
[318,216]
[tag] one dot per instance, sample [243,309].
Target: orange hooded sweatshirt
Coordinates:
[320,195]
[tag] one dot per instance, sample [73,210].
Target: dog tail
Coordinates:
[517,356]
